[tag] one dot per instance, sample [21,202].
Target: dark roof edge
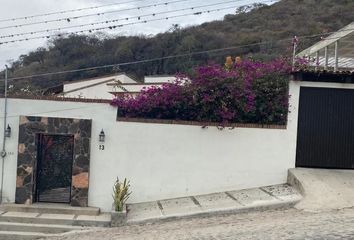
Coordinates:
[59,99]
[324,76]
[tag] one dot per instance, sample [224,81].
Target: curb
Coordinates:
[260,208]
[294,182]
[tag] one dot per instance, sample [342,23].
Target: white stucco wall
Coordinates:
[131,88]
[159,79]
[80,84]
[162,160]
[99,90]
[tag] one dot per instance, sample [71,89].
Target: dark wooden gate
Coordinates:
[325,128]
[54,168]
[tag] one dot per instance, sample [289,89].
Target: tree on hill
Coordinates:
[260,24]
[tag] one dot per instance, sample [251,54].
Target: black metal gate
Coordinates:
[54,168]
[325,128]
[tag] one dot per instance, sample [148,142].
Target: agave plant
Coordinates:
[120,194]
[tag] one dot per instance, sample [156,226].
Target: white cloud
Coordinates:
[19,8]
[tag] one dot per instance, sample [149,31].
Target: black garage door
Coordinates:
[326,128]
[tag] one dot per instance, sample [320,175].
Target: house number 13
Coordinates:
[101,147]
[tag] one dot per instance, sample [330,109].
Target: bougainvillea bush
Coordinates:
[242,92]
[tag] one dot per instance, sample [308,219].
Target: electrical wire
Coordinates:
[67,11]
[69,19]
[53,111]
[117,26]
[120,19]
[148,60]
[178,55]
[142,61]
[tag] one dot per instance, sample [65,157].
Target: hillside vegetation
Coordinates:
[263,23]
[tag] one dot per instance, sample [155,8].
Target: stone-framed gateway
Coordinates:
[29,129]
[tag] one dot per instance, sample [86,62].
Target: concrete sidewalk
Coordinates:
[323,189]
[279,196]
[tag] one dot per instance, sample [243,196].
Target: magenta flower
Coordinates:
[247,92]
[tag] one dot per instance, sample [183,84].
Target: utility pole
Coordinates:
[3,152]
[295,43]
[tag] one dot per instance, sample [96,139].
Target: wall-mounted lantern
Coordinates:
[8,131]
[102,136]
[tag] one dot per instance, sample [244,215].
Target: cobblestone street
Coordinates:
[288,224]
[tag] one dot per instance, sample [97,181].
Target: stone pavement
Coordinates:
[37,220]
[278,196]
[290,224]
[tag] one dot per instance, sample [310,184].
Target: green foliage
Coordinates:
[120,194]
[261,23]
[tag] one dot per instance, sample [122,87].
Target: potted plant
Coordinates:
[121,193]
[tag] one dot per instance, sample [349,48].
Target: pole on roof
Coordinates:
[3,152]
[295,43]
[326,58]
[317,60]
[336,56]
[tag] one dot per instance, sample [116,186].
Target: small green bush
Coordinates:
[120,194]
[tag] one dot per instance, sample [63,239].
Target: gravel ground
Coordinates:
[288,224]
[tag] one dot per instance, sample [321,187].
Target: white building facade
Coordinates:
[111,86]
[96,88]
[161,160]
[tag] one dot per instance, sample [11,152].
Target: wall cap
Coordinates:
[60,99]
[202,124]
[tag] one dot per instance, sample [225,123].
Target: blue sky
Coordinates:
[19,8]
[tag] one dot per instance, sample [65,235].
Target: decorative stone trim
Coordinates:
[29,129]
[195,123]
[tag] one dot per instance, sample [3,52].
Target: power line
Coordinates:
[67,11]
[175,56]
[147,60]
[120,19]
[137,62]
[53,111]
[68,19]
[117,26]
